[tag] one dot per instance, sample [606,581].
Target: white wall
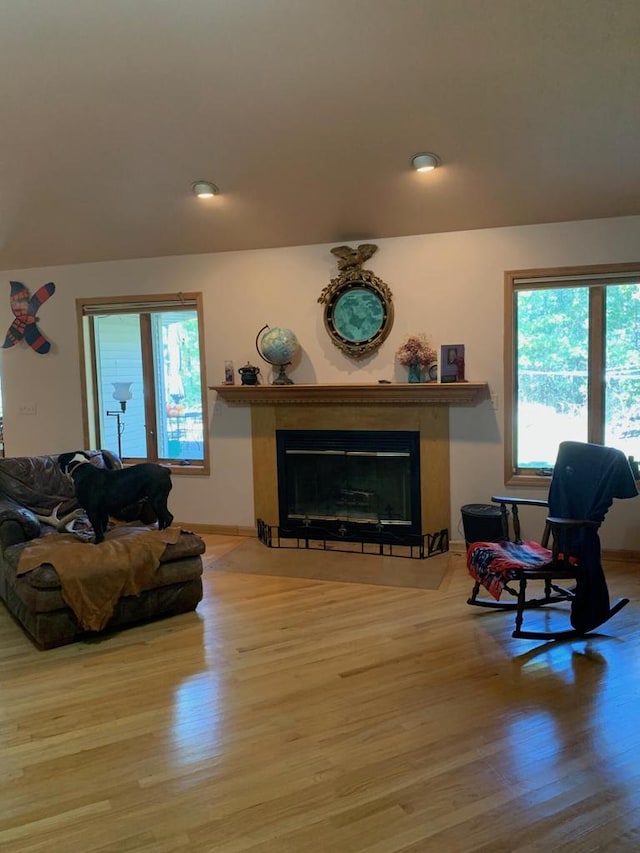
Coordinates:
[447,285]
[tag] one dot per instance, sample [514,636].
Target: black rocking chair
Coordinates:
[586,479]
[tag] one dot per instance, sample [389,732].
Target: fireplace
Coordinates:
[352,484]
[421,408]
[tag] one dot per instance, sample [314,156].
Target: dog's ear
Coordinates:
[63,460]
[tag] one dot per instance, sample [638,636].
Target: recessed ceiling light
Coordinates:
[205,189]
[425,162]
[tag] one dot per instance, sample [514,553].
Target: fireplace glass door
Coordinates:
[349,480]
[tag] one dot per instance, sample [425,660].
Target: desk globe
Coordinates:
[277,347]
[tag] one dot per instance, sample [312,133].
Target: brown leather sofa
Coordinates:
[32,491]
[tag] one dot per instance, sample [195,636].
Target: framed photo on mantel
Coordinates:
[452,363]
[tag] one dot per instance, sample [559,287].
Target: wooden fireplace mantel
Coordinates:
[407,393]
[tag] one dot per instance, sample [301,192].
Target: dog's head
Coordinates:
[68,462]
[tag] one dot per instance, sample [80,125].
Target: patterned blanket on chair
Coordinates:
[494,563]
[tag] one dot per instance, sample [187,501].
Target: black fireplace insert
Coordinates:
[349,484]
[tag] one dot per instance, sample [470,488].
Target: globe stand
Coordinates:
[282,378]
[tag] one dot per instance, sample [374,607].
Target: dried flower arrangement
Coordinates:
[416,350]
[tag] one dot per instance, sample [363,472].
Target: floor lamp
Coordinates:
[121,393]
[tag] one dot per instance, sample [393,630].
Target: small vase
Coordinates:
[415,373]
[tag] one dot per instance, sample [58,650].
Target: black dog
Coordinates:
[102,492]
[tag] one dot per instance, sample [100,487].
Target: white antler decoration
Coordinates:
[61,524]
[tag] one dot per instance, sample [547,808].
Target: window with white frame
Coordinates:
[147,352]
[572,362]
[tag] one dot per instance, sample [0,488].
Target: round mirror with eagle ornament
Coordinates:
[358,307]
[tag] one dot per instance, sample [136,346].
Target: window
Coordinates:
[148,350]
[572,363]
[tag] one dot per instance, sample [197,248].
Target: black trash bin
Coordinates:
[481,523]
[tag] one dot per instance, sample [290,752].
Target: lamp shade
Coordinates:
[122,391]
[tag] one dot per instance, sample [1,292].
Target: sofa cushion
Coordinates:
[44,577]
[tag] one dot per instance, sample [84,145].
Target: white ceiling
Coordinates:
[306,114]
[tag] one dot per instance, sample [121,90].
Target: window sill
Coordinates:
[528,480]
[190,470]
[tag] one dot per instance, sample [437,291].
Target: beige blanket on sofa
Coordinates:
[93,577]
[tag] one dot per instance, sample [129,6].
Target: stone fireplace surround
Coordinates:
[423,407]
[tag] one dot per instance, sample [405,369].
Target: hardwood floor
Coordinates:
[296,715]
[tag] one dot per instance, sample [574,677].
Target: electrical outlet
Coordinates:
[495,401]
[28,409]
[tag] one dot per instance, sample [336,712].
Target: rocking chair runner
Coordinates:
[586,479]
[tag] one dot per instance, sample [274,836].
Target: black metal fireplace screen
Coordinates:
[350,486]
